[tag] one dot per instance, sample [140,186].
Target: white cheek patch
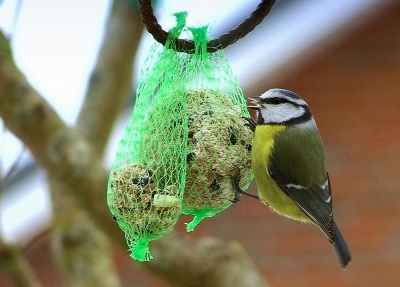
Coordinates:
[281,113]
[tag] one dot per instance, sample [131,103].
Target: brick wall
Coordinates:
[354,93]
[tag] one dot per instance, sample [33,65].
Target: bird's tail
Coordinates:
[341,247]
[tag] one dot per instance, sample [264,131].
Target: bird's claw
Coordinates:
[235,183]
[251,124]
[238,191]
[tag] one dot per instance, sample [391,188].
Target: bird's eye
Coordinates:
[276,101]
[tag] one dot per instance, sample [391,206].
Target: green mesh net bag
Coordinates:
[147,179]
[218,140]
[186,148]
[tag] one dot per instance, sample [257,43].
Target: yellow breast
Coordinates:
[270,193]
[264,140]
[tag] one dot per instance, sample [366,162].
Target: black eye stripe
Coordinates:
[276,101]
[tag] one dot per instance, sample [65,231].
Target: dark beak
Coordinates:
[255,103]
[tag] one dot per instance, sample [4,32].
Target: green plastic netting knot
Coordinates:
[141,251]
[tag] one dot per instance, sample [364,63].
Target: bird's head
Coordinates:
[279,106]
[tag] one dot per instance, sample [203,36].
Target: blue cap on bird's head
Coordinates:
[276,96]
[285,93]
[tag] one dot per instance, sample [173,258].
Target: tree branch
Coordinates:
[78,245]
[111,80]
[66,156]
[209,262]
[16,267]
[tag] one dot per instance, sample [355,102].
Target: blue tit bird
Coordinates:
[289,164]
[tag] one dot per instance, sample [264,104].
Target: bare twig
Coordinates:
[14,165]
[12,261]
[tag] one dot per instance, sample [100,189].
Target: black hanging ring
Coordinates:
[223,41]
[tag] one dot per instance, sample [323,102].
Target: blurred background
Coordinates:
[342,57]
